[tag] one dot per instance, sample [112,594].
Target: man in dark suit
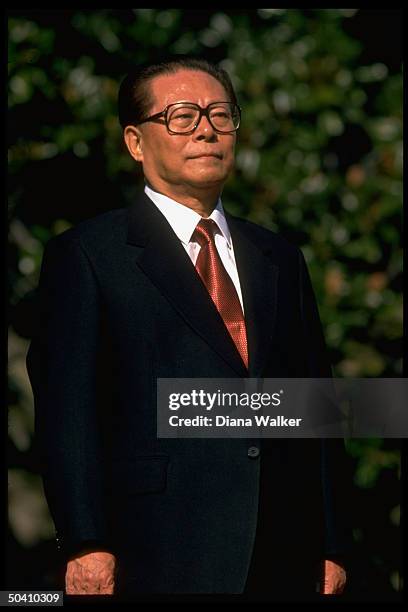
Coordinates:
[173,287]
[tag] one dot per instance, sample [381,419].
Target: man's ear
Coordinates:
[133,139]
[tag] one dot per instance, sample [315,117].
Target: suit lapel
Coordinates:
[258,278]
[164,260]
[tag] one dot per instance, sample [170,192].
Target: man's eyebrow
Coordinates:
[182,102]
[197,104]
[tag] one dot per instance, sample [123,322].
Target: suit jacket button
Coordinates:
[253,452]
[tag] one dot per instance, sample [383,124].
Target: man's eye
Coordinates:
[183,116]
[221,115]
[221,118]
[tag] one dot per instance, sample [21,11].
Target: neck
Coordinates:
[202,201]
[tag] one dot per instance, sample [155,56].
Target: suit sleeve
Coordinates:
[61,363]
[336,470]
[318,365]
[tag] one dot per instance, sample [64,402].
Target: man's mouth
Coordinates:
[216,155]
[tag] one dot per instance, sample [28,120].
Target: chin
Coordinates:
[203,179]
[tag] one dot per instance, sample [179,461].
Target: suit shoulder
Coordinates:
[95,233]
[267,239]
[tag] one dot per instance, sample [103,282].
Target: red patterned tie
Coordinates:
[220,286]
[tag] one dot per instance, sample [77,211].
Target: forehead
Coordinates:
[187,86]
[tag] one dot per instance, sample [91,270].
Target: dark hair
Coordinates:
[135,97]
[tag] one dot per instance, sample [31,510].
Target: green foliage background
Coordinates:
[319,159]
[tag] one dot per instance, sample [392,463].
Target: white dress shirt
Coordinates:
[184,220]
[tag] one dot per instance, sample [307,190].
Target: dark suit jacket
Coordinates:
[120,305]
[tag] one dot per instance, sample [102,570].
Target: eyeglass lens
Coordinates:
[223,117]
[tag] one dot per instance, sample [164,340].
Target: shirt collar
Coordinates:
[183,219]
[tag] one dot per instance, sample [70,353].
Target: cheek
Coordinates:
[162,154]
[230,157]
[170,151]
[230,150]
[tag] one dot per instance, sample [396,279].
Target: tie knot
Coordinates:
[204,231]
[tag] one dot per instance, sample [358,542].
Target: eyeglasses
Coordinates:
[184,117]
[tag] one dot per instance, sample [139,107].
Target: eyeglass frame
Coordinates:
[203,111]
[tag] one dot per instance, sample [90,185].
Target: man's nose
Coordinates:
[204,130]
